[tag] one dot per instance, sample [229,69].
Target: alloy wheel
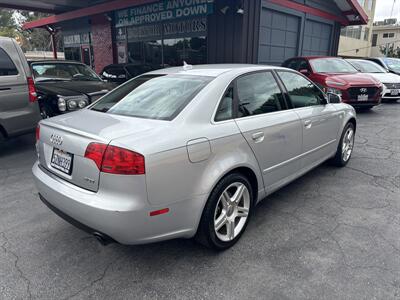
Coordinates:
[232,211]
[348,144]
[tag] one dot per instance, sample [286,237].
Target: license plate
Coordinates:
[394,92]
[62,161]
[362,98]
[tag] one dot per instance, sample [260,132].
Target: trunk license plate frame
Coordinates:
[62,161]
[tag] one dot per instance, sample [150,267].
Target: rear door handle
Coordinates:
[258,137]
[307,123]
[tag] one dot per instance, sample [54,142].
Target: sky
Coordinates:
[384,7]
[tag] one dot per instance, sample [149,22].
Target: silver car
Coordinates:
[19,109]
[188,152]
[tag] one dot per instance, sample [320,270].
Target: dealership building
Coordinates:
[168,32]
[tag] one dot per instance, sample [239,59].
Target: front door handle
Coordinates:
[5,89]
[307,123]
[258,137]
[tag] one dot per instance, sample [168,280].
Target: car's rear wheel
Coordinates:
[227,213]
[345,147]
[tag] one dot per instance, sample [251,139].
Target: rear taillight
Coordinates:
[95,152]
[32,90]
[115,160]
[37,132]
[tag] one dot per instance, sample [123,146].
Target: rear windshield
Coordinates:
[332,65]
[160,97]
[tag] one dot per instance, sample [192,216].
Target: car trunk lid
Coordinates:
[64,140]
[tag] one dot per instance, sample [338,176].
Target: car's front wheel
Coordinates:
[345,147]
[227,212]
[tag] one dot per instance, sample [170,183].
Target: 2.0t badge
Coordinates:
[56,139]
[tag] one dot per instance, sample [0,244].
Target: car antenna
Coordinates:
[186,66]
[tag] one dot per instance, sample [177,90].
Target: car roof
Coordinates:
[212,70]
[53,61]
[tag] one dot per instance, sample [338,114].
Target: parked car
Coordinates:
[391,82]
[120,73]
[390,64]
[181,153]
[65,86]
[335,75]
[19,110]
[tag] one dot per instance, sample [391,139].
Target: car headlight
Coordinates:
[82,103]
[72,104]
[62,105]
[330,90]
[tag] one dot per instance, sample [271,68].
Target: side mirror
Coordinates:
[304,72]
[334,98]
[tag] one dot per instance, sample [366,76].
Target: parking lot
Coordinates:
[332,234]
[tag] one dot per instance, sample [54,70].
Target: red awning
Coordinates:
[353,13]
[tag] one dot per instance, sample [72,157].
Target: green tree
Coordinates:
[37,38]
[390,51]
[8,24]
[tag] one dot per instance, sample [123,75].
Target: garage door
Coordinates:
[317,38]
[279,34]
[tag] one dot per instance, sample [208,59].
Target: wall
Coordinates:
[233,37]
[349,46]
[102,42]
[380,30]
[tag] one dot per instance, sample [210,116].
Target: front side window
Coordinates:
[332,65]
[393,63]
[302,92]
[258,93]
[153,97]
[63,72]
[7,67]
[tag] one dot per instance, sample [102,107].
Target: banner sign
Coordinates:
[165,10]
[77,39]
[195,27]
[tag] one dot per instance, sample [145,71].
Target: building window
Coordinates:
[388,35]
[374,40]
[168,43]
[352,32]
[361,2]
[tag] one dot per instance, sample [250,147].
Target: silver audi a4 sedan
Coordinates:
[188,152]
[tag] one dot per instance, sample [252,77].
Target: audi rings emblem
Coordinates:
[56,139]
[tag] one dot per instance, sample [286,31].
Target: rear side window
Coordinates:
[7,67]
[161,97]
[301,91]
[258,93]
[225,108]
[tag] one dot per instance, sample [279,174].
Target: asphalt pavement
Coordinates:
[332,234]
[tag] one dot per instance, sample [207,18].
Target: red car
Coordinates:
[335,75]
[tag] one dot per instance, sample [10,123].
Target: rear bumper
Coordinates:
[126,221]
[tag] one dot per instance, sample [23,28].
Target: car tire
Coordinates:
[224,220]
[345,147]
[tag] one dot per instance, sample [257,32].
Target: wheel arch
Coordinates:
[353,121]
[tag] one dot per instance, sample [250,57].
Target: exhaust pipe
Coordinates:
[102,239]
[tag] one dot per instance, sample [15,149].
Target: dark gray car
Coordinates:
[19,110]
